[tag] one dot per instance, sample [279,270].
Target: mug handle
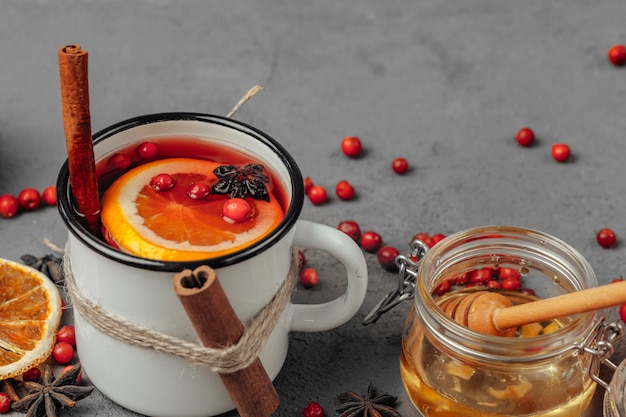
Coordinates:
[331,314]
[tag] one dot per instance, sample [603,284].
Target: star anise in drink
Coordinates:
[369,405]
[52,394]
[238,182]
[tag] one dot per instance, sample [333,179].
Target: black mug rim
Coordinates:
[96,244]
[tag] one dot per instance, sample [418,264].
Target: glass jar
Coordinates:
[449,370]
[615,394]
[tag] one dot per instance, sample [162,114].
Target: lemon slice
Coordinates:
[30,311]
[168,225]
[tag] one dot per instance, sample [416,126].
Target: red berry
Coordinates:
[79,377]
[313,409]
[622,312]
[147,150]
[493,284]
[29,199]
[351,146]
[509,273]
[424,237]
[371,241]
[49,195]
[198,190]
[344,190]
[606,238]
[162,182]
[617,55]
[444,287]
[120,161]
[400,166]
[308,183]
[560,152]
[511,284]
[387,257]
[481,275]
[317,194]
[351,228]
[9,206]
[62,353]
[33,374]
[525,136]
[309,277]
[5,403]
[301,259]
[236,210]
[67,334]
[438,238]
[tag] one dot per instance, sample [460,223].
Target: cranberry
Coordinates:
[387,257]
[511,284]
[62,353]
[33,374]
[351,228]
[617,55]
[9,206]
[29,199]
[481,275]
[236,210]
[493,284]
[371,241]
[424,237]
[444,287]
[120,161]
[79,377]
[344,190]
[462,278]
[301,259]
[147,150]
[525,136]
[560,152]
[49,195]
[309,277]
[622,312]
[163,182]
[317,194]
[308,183]
[351,146]
[528,291]
[67,334]
[5,403]
[509,273]
[606,238]
[108,238]
[438,238]
[198,190]
[313,409]
[399,166]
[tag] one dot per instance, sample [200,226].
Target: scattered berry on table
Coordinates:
[351,146]
[560,152]
[33,374]
[301,259]
[9,206]
[351,228]
[313,409]
[386,256]
[29,199]
[67,334]
[606,238]
[617,55]
[437,238]
[62,353]
[424,237]
[371,241]
[5,403]
[399,166]
[309,277]
[308,183]
[622,312]
[317,194]
[49,195]
[147,150]
[525,136]
[236,210]
[344,190]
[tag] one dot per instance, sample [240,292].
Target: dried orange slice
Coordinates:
[30,311]
[171,226]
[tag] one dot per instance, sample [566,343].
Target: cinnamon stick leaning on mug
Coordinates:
[77,124]
[217,325]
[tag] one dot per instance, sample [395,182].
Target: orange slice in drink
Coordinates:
[168,225]
[30,311]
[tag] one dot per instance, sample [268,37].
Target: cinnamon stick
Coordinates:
[77,124]
[217,326]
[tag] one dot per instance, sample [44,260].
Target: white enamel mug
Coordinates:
[140,290]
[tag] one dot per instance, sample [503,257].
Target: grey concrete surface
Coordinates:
[445,83]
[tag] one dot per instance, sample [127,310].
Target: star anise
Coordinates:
[52,394]
[369,405]
[237,181]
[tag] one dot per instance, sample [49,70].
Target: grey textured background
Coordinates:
[446,84]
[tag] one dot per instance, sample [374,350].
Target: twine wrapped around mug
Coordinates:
[230,359]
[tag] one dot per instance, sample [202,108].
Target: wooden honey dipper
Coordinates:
[493,314]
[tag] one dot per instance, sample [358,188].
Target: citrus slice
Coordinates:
[169,225]
[30,311]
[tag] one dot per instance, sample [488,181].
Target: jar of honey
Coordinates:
[545,369]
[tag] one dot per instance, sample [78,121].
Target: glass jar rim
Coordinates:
[527,244]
